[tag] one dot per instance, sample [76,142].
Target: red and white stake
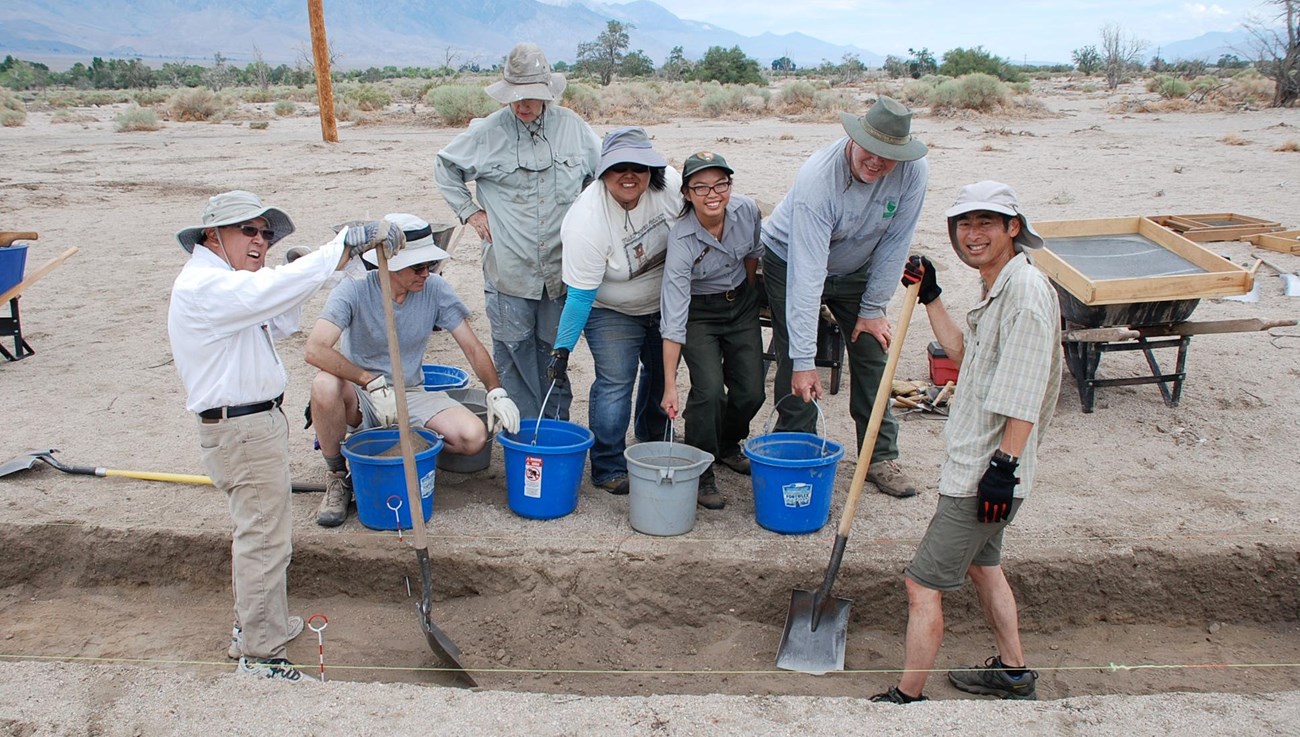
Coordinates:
[320,638]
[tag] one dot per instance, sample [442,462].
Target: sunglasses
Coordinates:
[626,167]
[703,190]
[252,231]
[425,268]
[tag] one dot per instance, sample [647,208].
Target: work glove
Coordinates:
[362,237]
[502,412]
[996,490]
[558,369]
[920,269]
[384,400]
[295,253]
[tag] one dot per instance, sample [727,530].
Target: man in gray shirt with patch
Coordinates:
[840,237]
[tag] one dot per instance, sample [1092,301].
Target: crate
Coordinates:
[942,368]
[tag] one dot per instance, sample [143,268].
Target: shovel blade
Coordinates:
[446,651]
[24,461]
[818,651]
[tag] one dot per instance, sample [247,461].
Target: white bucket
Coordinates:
[663,483]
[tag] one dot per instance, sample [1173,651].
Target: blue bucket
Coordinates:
[793,475]
[439,378]
[379,481]
[12,261]
[542,480]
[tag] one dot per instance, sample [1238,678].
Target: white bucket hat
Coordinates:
[993,197]
[423,242]
[527,76]
[232,208]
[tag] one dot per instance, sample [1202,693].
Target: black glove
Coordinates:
[996,490]
[919,268]
[558,369]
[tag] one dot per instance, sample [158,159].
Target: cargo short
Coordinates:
[954,541]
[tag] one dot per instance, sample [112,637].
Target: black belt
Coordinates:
[728,296]
[239,410]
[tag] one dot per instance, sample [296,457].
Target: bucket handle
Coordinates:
[767,426]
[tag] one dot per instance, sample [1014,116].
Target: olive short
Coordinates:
[954,541]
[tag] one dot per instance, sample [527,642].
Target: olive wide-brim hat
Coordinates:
[232,208]
[527,76]
[886,131]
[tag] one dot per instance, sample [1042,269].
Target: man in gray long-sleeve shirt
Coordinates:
[840,237]
[529,160]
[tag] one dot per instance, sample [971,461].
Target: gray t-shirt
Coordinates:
[357,307]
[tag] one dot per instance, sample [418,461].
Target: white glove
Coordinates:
[384,400]
[502,412]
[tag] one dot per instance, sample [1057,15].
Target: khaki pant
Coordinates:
[248,458]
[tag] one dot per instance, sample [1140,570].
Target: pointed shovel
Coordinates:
[439,642]
[817,625]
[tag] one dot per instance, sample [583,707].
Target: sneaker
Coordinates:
[894,696]
[273,668]
[709,496]
[333,510]
[618,486]
[737,462]
[237,637]
[889,478]
[992,679]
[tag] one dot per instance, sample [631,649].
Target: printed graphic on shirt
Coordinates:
[640,258]
[891,207]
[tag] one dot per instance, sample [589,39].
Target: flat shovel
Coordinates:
[817,624]
[31,457]
[439,642]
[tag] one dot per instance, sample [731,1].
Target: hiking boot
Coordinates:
[236,649]
[894,696]
[992,679]
[333,510]
[709,496]
[737,462]
[618,486]
[278,668]
[889,478]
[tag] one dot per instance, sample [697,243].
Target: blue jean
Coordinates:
[620,344]
[523,334]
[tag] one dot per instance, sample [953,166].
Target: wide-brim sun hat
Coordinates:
[232,208]
[886,131]
[527,76]
[701,160]
[421,243]
[629,145]
[996,197]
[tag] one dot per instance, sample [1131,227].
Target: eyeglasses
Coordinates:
[420,269]
[703,190]
[626,167]
[252,231]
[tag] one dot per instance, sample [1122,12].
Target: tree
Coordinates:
[676,66]
[1231,61]
[604,56]
[636,64]
[219,75]
[1119,51]
[728,66]
[896,67]
[851,69]
[259,72]
[1087,60]
[1277,56]
[922,63]
[784,64]
[961,61]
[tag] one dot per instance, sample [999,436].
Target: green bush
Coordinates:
[368,97]
[136,118]
[979,92]
[197,104]
[285,107]
[799,96]
[71,116]
[718,103]
[1168,87]
[918,91]
[457,104]
[149,97]
[582,99]
[257,94]
[12,111]
[97,98]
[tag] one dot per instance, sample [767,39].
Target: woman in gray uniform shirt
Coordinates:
[709,316]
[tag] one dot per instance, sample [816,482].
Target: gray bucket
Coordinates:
[663,482]
[475,400]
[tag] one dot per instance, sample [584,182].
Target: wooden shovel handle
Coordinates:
[7,237]
[419,540]
[878,409]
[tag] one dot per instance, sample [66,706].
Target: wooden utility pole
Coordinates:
[320,51]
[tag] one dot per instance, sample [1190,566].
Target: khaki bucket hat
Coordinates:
[232,208]
[886,131]
[527,76]
[996,197]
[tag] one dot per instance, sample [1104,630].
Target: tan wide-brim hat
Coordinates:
[527,76]
[886,131]
[990,196]
[232,208]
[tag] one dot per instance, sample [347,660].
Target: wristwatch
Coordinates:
[1002,457]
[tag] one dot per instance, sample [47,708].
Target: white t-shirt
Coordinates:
[618,252]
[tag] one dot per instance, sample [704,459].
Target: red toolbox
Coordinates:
[942,368]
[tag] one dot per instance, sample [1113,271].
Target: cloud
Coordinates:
[1201,10]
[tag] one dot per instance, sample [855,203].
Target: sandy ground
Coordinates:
[1159,555]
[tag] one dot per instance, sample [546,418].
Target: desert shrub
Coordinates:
[149,97]
[722,101]
[71,116]
[343,110]
[57,100]
[257,94]
[1205,83]
[368,97]
[980,92]
[632,98]
[1168,87]
[259,125]
[12,111]
[917,92]
[799,96]
[1021,88]
[1232,139]
[285,107]
[582,99]
[1248,86]
[832,101]
[1289,146]
[457,104]
[136,118]
[197,104]
[97,97]
[1088,89]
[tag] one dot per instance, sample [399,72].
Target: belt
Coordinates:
[217,414]
[728,296]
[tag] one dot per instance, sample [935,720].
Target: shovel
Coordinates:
[29,459]
[817,624]
[441,645]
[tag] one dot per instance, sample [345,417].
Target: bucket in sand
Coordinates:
[379,480]
[542,479]
[663,481]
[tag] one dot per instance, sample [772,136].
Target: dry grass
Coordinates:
[1291,146]
[72,116]
[12,111]
[136,118]
[1232,139]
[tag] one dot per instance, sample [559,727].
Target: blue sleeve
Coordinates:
[577,308]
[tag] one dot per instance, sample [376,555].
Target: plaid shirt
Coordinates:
[1011,368]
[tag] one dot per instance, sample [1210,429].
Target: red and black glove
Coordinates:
[996,490]
[920,269]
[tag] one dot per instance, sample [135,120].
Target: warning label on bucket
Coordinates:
[797,495]
[533,477]
[426,484]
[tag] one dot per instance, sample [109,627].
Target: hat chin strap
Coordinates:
[222,246]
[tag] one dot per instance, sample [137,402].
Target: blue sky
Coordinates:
[1038,30]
